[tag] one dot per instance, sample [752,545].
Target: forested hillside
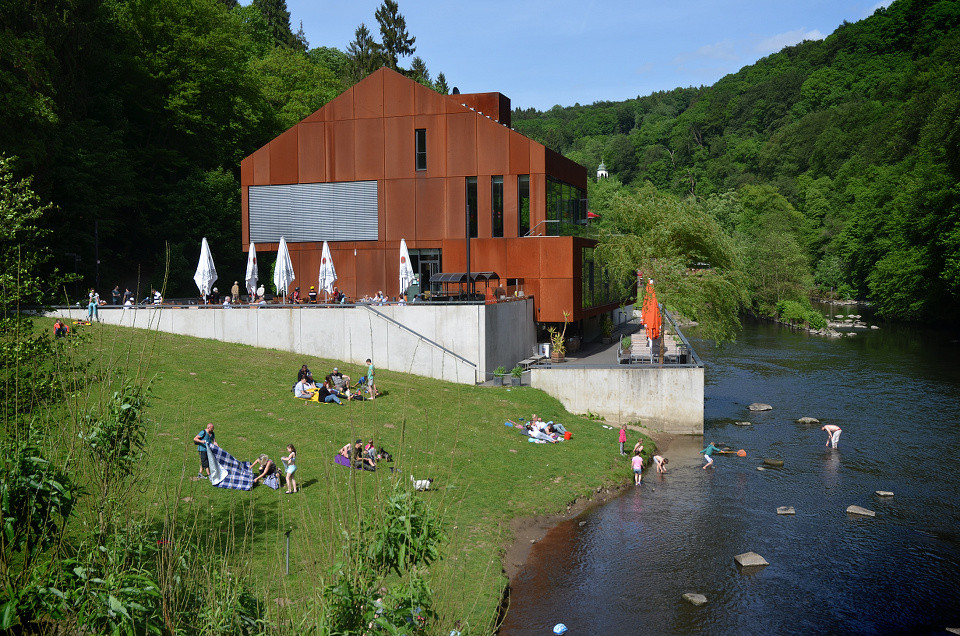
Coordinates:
[859,132]
[133,115]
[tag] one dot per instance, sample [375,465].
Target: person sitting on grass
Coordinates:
[305,389]
[327,393]
[360,459]
[345,451]
[268,472]
[342,382]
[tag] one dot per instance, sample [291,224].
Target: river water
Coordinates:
[623,568]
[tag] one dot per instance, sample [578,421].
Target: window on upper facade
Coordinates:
[523,204]
[421,150]
[472,206]
[496,204]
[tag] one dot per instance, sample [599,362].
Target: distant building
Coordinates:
[390,159]
[602,171]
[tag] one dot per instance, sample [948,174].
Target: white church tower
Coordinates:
[602,171]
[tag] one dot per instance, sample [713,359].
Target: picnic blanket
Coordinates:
[226,471]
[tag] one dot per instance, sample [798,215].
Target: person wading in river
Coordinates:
[833,434]
[707,452]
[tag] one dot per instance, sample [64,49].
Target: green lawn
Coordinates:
[485,473]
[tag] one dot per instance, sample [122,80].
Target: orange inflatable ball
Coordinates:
[741,453]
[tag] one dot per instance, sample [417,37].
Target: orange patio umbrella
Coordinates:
[651,312]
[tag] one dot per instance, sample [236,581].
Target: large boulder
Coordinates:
[696,599]
[758,406]
[863,512]
[808,420]
[776,463]
[750,560]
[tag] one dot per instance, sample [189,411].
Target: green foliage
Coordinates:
[681,246]
[517,371]
[395,41]
[859,133]
[364,55]
[500,371]
[796,313]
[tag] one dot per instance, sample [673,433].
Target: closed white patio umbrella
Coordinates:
[406,269]
[283,275]
[253,272]
[328,273]
[206,273]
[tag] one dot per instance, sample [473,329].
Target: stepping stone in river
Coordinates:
[808,420]
[884,493]
[786,510]
[744,423]
[696,599]
[775,463]
[760,468]
[757,406]
[863,512]
[750,560]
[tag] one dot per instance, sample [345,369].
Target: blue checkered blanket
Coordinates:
[226,471]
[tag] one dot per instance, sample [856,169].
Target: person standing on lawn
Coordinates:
[201,439]
[371,387]
[623,438]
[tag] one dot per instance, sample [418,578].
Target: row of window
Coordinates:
[496,205]
[566,204]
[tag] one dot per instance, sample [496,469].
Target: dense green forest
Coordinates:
[857,135]
[132,117]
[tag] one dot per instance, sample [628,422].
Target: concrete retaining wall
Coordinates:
[457,343]
[668,399]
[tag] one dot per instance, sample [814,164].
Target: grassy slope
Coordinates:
[486,474]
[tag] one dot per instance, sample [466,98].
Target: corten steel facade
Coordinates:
[390,159]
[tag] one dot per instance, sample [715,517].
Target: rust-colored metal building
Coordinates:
[390,159]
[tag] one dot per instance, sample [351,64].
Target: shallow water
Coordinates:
[895,394]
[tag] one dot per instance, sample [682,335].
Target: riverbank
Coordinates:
[527,531]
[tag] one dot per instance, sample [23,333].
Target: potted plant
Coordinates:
[498,374]
[625,345]
[516,373]
[606,329]
[558,349]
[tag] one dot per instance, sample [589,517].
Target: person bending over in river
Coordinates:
[707,452]
[661,462]
[833,434]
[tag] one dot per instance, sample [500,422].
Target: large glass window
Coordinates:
[472,206]
[566,209]
[523,204]
[496,204]
[596,283]
[421,148]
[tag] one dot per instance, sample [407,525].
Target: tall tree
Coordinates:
[364,54]
[395,41]
[278,18]
[441,85]
[419,72]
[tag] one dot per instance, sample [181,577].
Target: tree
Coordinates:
[395,41]
[419,72]
[364,55]
[278,19]
[441,85]
[681,246]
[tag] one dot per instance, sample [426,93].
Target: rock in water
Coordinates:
[884,493]
[760,468]
[696,599]
[744,423]
[786,510]
[776,463]
[750,560]
[757,406]
[808,420]
[863,512]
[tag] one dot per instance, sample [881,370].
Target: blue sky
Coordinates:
[545,52]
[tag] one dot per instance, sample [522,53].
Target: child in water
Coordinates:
[290,461]
[637,462]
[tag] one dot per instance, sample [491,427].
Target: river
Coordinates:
[622,568]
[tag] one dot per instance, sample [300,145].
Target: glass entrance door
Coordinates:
[426,262]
